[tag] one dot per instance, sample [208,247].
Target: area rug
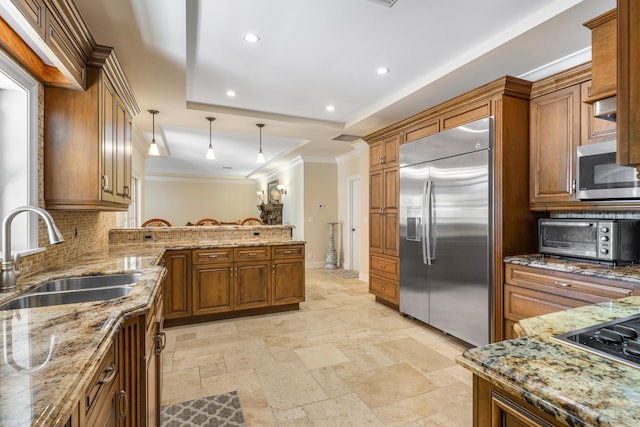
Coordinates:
[344,274]
[213,411]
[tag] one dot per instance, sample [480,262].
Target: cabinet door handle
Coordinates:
[161,343]
[122,395]
[381,160]
[111,374]
[564,285]
[287,252]
[126,190]
[213,256]
[252,254]
[105,182]
[573,186]
[384,159]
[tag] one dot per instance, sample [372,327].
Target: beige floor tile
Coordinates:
[345,410]
[288,385]
[390,384]
[252,353]
[341,360]
[319,356]
[417,354]
[180,386]
[407,410]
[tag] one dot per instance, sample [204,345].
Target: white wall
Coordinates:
[180,200]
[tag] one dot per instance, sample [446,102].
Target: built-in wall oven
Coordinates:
[600,177]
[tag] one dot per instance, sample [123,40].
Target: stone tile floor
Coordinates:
[341,360]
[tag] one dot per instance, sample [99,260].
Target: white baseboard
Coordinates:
[364,277]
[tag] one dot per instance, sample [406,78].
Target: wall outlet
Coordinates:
[148,237]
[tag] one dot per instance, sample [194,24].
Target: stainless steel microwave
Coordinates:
[600,177]
[613,240]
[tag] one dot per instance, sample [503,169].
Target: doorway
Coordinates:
[353,225]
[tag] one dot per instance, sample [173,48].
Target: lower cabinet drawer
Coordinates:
[102,383]
[208,256]
[294,251]
[386,266]
[383,288]
[251,254]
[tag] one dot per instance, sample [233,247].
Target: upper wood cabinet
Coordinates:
[593,129]
[88,145]
[628,117]
[555,134]
[562,120]
[384,153]
[60,37]
[603,52]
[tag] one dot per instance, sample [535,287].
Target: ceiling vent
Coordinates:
[348,138]
[387,3]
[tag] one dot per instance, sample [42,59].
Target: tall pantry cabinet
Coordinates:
[507,100]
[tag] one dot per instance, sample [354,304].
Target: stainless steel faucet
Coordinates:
[9,270]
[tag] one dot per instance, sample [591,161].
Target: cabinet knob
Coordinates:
[126,190]
[383,288]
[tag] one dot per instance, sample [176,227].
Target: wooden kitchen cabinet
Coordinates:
[88,145]
[100,404]
[34,12]
[494,407]
[287,282]
[177,285]
[212,288]
[628,82]
[531,292]
[593,129]
[555,135]
[383,153]
[384,196]
[604,52]
[141,342]
[233,281]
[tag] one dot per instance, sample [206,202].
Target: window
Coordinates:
[18,151]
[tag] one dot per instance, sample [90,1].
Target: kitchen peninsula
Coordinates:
[539,381]
[68,363]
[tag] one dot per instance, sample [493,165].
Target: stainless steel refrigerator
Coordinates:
[445,223]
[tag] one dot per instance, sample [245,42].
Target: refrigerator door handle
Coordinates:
[426,222]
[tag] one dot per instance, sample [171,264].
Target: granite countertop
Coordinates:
[578,388]
[625,273]
[53,352]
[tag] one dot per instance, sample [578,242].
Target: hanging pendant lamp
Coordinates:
[153,147]
[210,154]
[260,155]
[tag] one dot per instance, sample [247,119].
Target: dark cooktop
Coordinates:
[618,339]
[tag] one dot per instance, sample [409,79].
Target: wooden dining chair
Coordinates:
[251,221]
[156,222]
[207,221]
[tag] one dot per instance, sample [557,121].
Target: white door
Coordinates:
[354,224]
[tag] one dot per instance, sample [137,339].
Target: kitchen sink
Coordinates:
[73,290]
[45,299]
[88,282]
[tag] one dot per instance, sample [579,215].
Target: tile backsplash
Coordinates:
[83,231]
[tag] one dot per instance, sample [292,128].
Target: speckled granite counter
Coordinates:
[52,352]
[576,387]
[628,273]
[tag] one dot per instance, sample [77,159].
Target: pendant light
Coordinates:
[260,155]
[153,147]
[210,154]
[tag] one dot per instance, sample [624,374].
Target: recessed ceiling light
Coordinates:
[251,38]
[331,108]
[382,70]
[231,93]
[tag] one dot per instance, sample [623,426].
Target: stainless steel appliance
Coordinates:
[445,223]
[600,177]
[614,240]
[618,339]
